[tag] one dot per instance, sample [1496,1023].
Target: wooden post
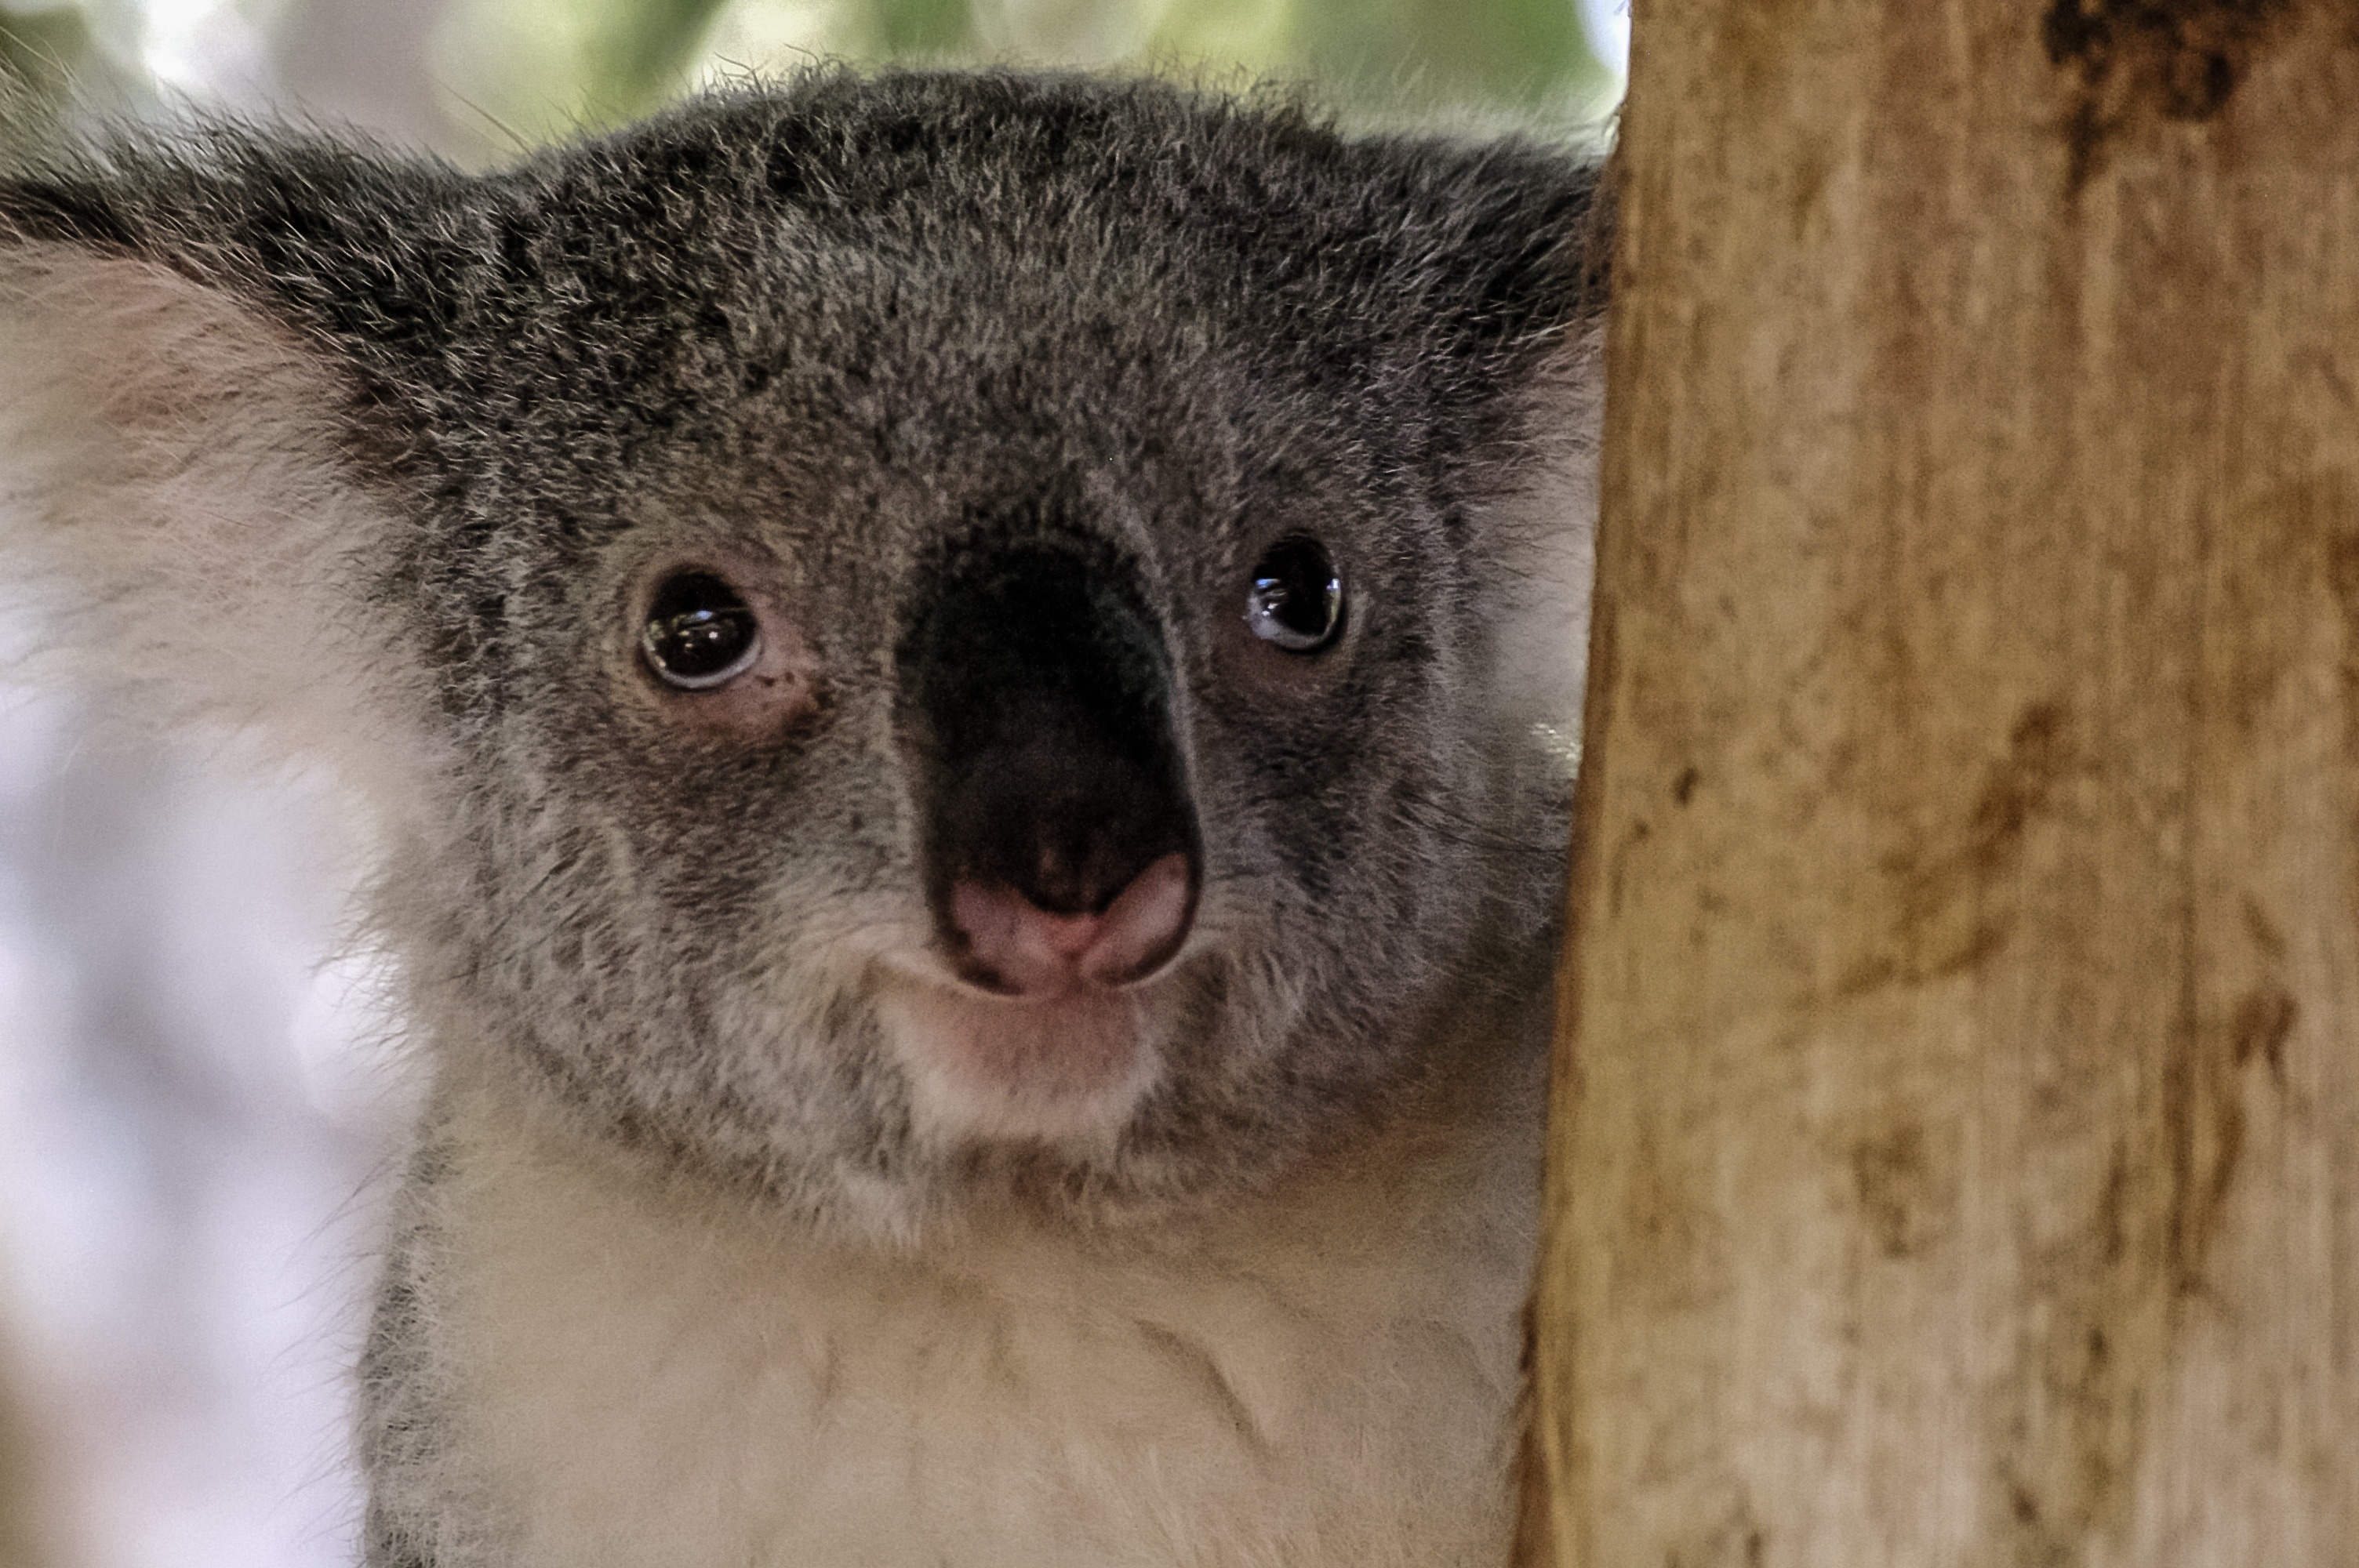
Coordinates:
[28,1508]
[1956,1154]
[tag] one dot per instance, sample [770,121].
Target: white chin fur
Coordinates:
[1067,1073]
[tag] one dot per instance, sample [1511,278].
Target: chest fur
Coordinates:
[632,1376]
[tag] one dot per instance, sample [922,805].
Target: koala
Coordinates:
[958,681]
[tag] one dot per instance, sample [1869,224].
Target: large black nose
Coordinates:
[1035,695]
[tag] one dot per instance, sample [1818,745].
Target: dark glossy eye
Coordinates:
[1297,602]
[700,635]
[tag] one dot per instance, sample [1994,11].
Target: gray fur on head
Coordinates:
[383,458]
[822,325]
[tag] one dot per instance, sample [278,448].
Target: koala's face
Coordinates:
[963,617]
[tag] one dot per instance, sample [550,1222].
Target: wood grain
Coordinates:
[1956,1147]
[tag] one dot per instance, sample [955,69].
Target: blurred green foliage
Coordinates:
[538,66]
[640,56]
[1516,51]
[45,47]
[905,29]
[513,71]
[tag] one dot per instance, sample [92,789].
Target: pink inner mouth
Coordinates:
[1023,950]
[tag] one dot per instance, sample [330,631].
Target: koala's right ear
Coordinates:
[185,500]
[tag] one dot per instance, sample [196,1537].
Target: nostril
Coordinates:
[1011,944]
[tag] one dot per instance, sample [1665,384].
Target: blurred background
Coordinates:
[200,1102]
[478,80]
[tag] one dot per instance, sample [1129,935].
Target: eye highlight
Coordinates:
[700,632]
[1296,598]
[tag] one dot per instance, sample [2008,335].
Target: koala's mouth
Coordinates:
[1036,1023]
[1066,1062]
[1008,945]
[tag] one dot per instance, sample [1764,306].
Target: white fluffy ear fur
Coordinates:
[175,506]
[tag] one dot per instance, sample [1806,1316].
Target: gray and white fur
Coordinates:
[782,1199]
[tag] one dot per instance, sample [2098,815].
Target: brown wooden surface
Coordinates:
[1957,1144]
[30,1510]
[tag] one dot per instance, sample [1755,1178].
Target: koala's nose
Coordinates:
[1058,835]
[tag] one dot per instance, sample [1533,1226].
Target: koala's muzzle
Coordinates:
[1059,844]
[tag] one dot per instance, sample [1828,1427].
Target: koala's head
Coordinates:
[913,635]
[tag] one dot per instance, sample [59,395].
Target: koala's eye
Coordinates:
[1297,602]
[700,635]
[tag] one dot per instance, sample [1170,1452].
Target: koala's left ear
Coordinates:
[184,494]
